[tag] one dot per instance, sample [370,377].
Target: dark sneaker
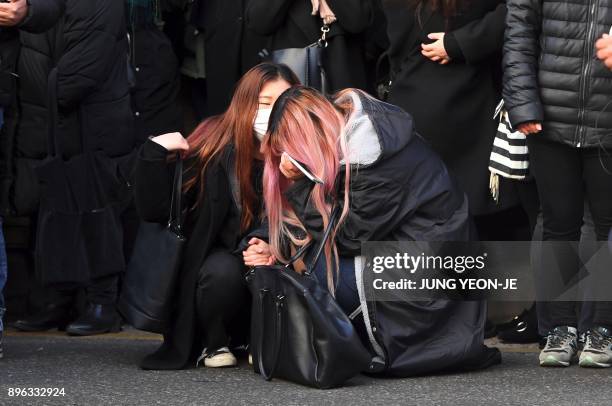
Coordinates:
[597,352]
[1,351]
[561,347]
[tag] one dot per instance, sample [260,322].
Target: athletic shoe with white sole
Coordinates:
[222,358]
[561,347]
[597,351]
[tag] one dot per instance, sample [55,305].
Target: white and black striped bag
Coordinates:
[510,155]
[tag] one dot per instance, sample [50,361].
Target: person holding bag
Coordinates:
[298,24]
[364,157]
[222,203]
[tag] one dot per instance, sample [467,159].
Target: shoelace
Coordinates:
[598,341]
[557,340]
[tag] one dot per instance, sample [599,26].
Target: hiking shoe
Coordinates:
[561,347]
[597,351]
[222,358]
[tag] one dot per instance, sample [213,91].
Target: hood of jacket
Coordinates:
[375,130]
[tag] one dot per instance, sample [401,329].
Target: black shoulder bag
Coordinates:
[307,63]
[152,273]
[298,331]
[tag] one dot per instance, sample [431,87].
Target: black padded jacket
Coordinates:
[551,73]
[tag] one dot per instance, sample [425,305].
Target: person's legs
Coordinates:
[346,293]
[598,183]
[558,174]
[221,297]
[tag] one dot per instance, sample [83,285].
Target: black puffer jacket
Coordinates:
[88,45]
[89,48]
[42,15]
[551,72]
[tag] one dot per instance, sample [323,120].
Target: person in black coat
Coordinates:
[446,72]
[156,81]
[558,94]
[230,47]
[222,184]
[394,188]
[294,24]
[14,16]
[87,50]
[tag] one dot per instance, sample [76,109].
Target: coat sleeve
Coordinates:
[153,183]
[42,15]
[354,16]
[90,41]
[480,39]
[373,213]
[265,16]
[521,50]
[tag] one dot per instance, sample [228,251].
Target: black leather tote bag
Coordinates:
[298,331]
[152,273]
[307,63]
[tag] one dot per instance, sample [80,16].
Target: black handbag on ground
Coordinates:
[152,274]
[298,331]
[307,63]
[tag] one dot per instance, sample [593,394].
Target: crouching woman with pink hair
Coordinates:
[363,157]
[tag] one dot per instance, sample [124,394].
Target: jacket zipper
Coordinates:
[584,80]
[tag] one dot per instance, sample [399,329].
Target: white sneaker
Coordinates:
[561,347]
[250,359]
[597,352]
[222,358]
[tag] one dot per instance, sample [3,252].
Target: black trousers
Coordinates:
[222,301]
[566,177]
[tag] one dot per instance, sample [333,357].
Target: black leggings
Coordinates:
[222,300]
[566,177]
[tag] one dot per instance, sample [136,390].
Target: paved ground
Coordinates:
[102,371]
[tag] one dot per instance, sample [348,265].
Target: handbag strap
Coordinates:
[320,247]
[177,193]
[278,331]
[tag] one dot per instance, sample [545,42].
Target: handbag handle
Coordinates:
[303,249]
[279,304]
[177,193]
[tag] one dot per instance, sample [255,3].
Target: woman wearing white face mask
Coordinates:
[222,197]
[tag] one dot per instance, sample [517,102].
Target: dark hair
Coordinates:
[235,126]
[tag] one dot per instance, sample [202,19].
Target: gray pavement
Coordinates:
[102,371]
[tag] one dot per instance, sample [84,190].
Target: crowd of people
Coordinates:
[95,97]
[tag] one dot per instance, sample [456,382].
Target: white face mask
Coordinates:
[261,123]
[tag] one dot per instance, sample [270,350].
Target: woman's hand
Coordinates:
[436,50]
[13,12]
[530,128]
[288,169]
[258,254]
[172,142]
[604,50]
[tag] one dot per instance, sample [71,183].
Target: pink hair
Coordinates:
[311,131]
